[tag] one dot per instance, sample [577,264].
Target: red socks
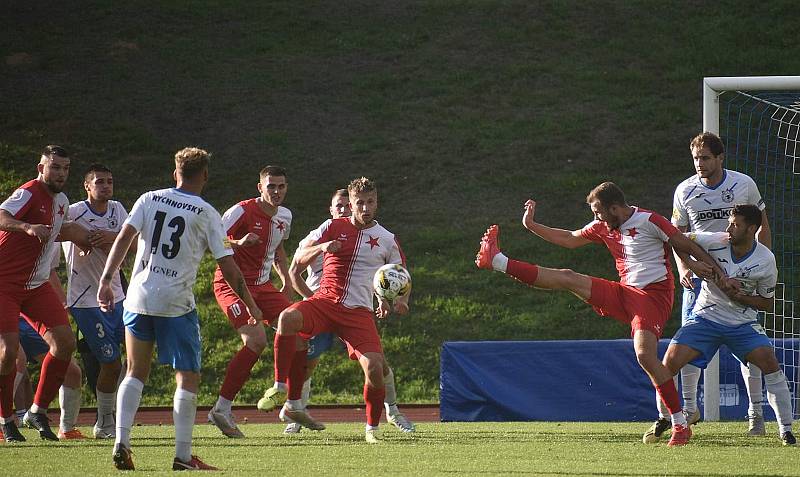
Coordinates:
[7,394]
[374,399]
[52,377]
[297,375]
[669,394]
[524,272]
[238,372]
[284,355]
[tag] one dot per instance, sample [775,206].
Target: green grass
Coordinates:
[460,110]
[510,448]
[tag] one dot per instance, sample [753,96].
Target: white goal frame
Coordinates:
[713,87]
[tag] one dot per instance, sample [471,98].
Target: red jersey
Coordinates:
[639,246]
[347,273]
[255,261]
[26,261]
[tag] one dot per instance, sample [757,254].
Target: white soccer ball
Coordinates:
[391,281]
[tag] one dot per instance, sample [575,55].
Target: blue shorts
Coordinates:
[707,336]
[31,342]
[177,338]
[689,299]
[319,344]
[103,332]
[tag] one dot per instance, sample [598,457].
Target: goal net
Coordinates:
[758,119]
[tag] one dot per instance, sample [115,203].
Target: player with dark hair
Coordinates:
[729,316]
[639,240]
[703,203]
[103,332]
[175,227]
[256,229]
[30,221]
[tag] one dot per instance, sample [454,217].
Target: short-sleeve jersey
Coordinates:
[347,273]
[175,229]
[256,261]
[83,271]
[756,272]
[26,261]
[700,208]
[639,246]
[314,270]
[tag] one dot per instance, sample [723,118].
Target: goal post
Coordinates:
[758,119]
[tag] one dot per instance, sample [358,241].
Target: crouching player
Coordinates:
[730,317]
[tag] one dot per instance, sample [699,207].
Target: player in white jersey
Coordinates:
[639,240]
[730,316]
[703,203]
[354,248]
[319,344]
[103,332]
[175,227]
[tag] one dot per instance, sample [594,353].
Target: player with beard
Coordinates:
[639,240]
[31,219]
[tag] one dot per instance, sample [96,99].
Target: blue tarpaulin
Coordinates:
[593,380]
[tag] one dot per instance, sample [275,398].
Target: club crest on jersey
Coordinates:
[112,222]
[727,196]
[372,242]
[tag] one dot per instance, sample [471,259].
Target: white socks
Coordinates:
[184,409]
[752,381]
[390,401]
[690,377]
[306,396]
[500,262]
[223,404]
[69,400]
[780,399]
[105,403]
[128,396]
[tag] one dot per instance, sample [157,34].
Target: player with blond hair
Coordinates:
[175,227]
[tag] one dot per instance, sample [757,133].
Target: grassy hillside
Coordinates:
[460,110]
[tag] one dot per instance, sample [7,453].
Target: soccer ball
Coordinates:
[391,281]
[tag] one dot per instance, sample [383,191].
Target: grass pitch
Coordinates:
[530,448]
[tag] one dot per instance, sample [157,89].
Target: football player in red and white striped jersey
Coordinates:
[639,240]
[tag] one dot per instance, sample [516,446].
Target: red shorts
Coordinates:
[644,309]
[269,299]
[41,307]
[355,326]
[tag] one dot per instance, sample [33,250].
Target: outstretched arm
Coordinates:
[561,237]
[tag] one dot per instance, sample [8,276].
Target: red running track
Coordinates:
[325,413]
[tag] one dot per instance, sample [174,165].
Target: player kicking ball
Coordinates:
[638,239]
[729,315]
